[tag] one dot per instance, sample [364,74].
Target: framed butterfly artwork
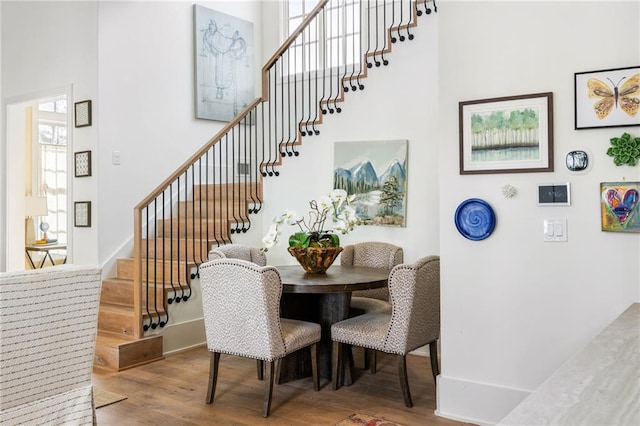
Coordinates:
[607,98]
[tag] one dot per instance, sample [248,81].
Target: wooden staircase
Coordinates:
[169,246]
[117,347]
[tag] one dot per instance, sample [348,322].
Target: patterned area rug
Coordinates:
[366,420]
[102,397]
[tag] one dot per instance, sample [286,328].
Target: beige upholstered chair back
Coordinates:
[48,325]
[242,308]
[239,251]
[415,300]
[374,255]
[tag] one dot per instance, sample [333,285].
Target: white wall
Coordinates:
[46,46]
[514,307]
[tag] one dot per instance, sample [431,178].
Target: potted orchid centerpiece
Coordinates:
[315,246]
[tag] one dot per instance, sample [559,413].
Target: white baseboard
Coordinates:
[183,336]
[478,403]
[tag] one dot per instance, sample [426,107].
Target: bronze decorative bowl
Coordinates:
[315,260]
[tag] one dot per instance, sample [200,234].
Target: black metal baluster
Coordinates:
[316,101]
[360,53]
[155,290]
[377,35]
[385,62]
[409,22]
[324,68]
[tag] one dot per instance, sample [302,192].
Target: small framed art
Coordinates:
[83,164]
[82,111]
[507,135]
[620,206]
[554,194]
[607,98]
[82,214]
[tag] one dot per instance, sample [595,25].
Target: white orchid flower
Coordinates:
[325,203]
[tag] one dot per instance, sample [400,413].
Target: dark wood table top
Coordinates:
[337,279]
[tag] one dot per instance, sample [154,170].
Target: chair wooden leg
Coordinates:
[350,351]
[268,388]
[404,380]
[260,368]
[373,360]
[367,361]
[314,367]
[213,376]
[433,354]
[276,378]
[336,359]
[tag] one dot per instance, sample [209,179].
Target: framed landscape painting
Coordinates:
[375,172]
[507,135]
[607,98]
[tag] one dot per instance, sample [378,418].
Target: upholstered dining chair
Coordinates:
[374,254]
[414,321]
[239,251]
[248,253]
[48,325]
[241,303]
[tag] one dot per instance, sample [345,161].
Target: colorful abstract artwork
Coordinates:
[619,206]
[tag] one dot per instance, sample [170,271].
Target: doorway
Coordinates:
[39,171]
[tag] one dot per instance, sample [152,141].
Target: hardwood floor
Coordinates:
[172,392]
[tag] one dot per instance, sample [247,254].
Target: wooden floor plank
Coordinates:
[172,392]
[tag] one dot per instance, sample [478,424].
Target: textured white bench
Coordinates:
[48,324]
[598,386]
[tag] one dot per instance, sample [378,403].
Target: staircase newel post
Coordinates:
[137,272]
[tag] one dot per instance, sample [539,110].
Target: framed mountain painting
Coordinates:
[375,173]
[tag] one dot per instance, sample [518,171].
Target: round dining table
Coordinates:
[324,299]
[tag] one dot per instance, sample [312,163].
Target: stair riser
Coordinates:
[250,192]
[127,354]
[179,271]
[116,322]
[176,249]
[122,294]
[189,209]
[198,229]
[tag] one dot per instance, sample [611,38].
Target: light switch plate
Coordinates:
[555,230]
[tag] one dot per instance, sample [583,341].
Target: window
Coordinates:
[50,177]
[338,26]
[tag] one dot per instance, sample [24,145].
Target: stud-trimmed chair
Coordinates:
[373,254]
[48,326]
[239,251]
[241,303]
[414,321]
[244,252]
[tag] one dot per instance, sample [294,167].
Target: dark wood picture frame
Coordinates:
[82,164]
[82,113]
[82,214]
[512,134]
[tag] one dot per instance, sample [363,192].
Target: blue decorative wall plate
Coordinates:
[475,219]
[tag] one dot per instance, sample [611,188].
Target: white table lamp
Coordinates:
[33,206]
